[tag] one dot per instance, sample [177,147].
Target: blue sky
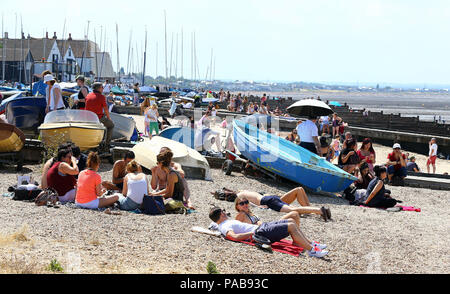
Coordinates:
[350,41]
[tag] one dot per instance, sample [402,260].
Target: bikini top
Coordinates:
[253,218]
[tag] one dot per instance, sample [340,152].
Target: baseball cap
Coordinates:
[397,146]
[48,78]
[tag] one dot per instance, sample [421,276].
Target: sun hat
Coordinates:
[396,145]
[48,78]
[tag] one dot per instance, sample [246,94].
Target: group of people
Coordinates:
[74,176]
[247,225]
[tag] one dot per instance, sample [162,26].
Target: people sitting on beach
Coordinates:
[61,176]
[135,187]
[396,165]
[349,159]
[432,156]
[119,172]
[174,184]
[251,109]
[49,163]
[327,151]
[367,154]
[376,195]
[90,187]
[160,178]
[274,231]
[282,204]
[365,176]
[412,166]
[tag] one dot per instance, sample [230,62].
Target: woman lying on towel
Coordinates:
[274,231]
[282,204]
[245,215]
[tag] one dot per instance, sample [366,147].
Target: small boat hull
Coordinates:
[85,137]
[289,160]
[185,136]
[26,113]
[123,127]
[11,138]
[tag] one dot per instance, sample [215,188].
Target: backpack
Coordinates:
[175,207]
[46,197]
[225,195]
[23,194]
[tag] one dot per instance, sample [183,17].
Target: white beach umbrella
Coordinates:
[309,108]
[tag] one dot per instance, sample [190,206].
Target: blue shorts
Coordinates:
[402,172]
[274,231]
[273,202]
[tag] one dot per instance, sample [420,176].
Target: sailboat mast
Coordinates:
[3,47]
[21,50]
[211,64]
[145,58]
[118,60]
[171,57]
[165,38]
[182,53]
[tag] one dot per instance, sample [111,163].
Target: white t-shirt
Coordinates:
[433,149]
[151,116]
[53,105]
[306,131]
[236,226]
[325,120]
[107,88]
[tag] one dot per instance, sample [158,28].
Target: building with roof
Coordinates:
[26,57]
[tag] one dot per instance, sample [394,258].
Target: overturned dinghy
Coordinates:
[123,127]
[192,162]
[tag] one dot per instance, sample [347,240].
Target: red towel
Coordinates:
[404,208]
[283,246]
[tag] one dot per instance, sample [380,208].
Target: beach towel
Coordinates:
[402,208]
[283,246]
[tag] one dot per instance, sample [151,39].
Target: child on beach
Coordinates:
[336,145]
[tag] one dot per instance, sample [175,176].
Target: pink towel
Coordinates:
[404,208]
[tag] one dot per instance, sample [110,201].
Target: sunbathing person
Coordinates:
[135,187]
[119,172]
[274,231]
[90,187]
[61,176]
[245,215]
[282,204]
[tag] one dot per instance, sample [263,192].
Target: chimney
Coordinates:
[6,35]
[70,37]
[46,35]
[54,36]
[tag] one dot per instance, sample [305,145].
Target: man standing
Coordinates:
[96,102]
[432,155]
[309,135]
[107,88]
[396,163]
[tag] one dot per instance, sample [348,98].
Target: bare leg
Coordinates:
[298,237]
[301,210]
[253,197]
[298,194]
[434,169]
[108,201]
[292,216]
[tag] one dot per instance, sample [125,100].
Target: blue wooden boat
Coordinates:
[26,113]
[289,160]
[184,135]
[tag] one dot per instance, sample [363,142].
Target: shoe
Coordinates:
[319,246]
[317,253]
[324,213]
[328,213]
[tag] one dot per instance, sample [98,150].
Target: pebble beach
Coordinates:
[360,240]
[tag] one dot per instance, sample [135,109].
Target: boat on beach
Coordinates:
[123,127]
[187,136]
[26,113]
[288,160]
[11,138]
[78,126]
[192,162]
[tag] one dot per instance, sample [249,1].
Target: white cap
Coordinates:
[48,78]
[396,145]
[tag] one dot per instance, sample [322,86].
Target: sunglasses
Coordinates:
[243,203]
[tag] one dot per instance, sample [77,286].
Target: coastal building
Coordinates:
[25,57]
